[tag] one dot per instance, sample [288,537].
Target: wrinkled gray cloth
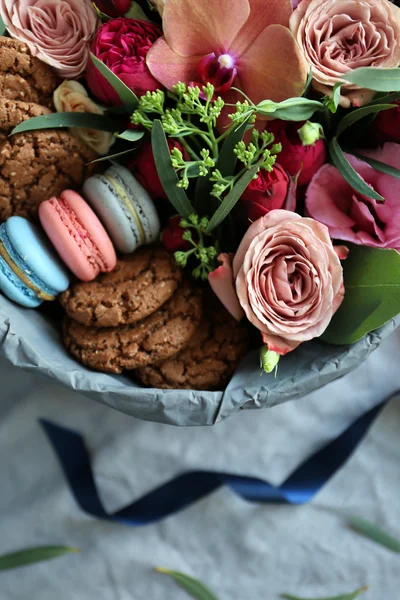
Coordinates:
[29,341]
[242,551]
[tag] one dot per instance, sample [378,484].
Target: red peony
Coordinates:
[268,192]
[171,236]
[122,44]
[114,8]
[303,153]
[145,171]
[387,125]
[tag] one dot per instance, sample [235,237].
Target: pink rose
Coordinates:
[351,216]
[122,44]
[58,32]
[339,36]
[288,279]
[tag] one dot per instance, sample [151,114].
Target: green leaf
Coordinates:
[371,531]
[376,79]
[69,119]
[333,103]
[131,135]
[167,174]
[33,555]
[378,165]
[385,98]
[193,587]
[293,109]
[360,113]
[308,84]
[112,156]
[372,297]
[3,28]
[127,97]
[136,12]
[349,174]
[349,596]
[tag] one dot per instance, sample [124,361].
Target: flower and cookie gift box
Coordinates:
[209,188]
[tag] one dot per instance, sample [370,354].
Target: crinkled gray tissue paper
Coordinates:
[32,342]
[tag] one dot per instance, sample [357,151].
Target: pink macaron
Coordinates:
[77,235]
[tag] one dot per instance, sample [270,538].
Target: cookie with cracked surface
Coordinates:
[37,165]
[155,338]
[139,285]
[13,112]
[208,361]
[24,77]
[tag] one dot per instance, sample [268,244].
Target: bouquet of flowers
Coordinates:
[240,181]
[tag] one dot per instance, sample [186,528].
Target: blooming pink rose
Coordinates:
[288,279]
[339,36]
[58,32]
[351,216]
[122,44]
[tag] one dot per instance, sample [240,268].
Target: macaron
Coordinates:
[77,235]
[30,271]
[125,208]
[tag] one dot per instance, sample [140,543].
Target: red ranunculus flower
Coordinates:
[267,192]
[114,8]
[387,125]
[122,44]
[300,156]
[145,171]
[171,236]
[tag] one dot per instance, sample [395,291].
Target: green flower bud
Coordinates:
[310,133]
[268,359]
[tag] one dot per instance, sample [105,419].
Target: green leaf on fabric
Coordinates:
[194,588]
[33,555]
[371,531]
[112,157]
[349,596]
[360,113]
[136,12]
[131,135]
[127,97]
[68,119]
[167,174]
[372,297]
[3,28]
[376,79]
[349,174]
[232,198]
[378,165]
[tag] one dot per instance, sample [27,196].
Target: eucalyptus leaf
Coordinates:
[372,297]
[33,555]
[127,97]
[349,596]
[232,198]
[131,135]
[194,588]
[360,113]
[308,83]
[349,174]
[371,531]
[68,119]
[3,28]
[136,12]
[378,165]
[374,78]
[167,174]
[385,98]
[333,102]
[112,157]
[293,109]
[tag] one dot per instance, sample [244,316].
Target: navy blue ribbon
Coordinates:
[185,489]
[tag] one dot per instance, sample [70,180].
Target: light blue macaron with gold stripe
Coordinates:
[124,207]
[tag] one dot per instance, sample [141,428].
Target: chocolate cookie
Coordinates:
[159,336]
[139,285]
[209,359]
[24,77]
[13,112]
[37,165]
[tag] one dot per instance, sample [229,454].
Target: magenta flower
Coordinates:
[244,44]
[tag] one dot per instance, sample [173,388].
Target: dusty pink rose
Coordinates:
[122,44]
[351,216]
[288,279]
[338,36]
[58,32]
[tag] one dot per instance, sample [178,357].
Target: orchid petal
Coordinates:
[262,15]
[170,68]
[221,282]
[203,26]
[273,67]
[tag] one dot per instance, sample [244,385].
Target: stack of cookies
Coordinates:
[143,317]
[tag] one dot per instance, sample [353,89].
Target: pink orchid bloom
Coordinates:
[230,43]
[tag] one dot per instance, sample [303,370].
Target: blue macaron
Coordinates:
[124,207]
[30,272]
